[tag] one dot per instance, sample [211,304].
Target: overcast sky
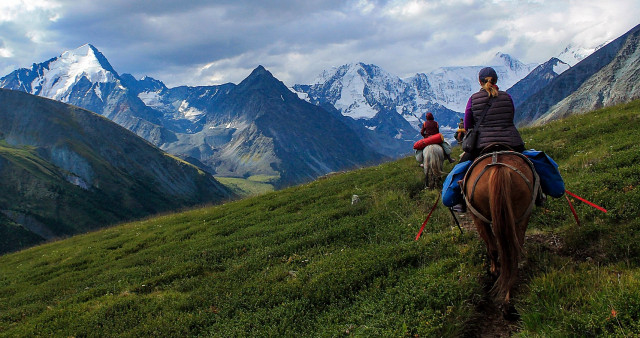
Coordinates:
[199,42]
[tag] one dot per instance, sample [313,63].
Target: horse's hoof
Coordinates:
[510,313]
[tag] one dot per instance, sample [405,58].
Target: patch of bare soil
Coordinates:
[549,242]
[489,320]
[465,221]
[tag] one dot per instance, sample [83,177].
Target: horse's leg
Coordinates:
[521,229]
[426,173]
[433,179]
[485,232]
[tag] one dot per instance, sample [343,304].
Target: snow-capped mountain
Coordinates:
[452,86]
[351,88]
[371,97]
[361,91]
[56,78]
[365,92]
[228,130]
[573,54]
[83,77]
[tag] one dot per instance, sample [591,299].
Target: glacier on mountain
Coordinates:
[362,91]
[60,75]
[573,54]
[452,86]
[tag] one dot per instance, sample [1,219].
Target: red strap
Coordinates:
[428,216]
[585,201]
[572,210]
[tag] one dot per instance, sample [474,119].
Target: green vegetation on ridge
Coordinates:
[247,187]
[305,261]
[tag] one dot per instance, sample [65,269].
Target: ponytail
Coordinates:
[488,84]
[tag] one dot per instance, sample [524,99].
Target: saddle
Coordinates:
[493,150]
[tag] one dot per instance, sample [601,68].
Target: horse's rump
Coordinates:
[433,159]
[523,182]
[500,190]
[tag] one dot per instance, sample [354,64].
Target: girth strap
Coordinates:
[533,187]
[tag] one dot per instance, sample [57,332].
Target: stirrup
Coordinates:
[541,198]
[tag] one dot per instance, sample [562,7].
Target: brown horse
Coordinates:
[500,189]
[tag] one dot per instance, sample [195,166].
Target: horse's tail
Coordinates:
[435,163]
[504,228]
[435,160]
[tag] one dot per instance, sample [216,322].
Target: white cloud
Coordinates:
[11,11]
[485,36]
[5,53]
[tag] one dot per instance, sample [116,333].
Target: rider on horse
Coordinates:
[431,127]
[495,110]
[497,125]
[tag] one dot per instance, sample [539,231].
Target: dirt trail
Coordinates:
[489,321]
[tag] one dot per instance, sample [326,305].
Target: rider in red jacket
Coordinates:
[431,127]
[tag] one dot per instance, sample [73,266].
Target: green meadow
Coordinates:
[305,261]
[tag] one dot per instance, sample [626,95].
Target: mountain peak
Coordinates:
[57,77]
[87,56]
[260,76]
[573,53]
[502,59]
[259,71]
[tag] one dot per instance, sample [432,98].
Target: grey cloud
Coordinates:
[201,33]
[174,40]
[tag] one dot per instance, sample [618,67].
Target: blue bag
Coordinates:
[451,191]
[550,180]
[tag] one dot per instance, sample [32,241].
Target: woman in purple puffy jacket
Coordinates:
[497,125]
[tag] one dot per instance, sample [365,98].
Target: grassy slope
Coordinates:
[246,187]
[590,286]
[295,261]
[304,260]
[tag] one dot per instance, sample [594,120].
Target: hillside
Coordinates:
[575,88]
[66,170]
[617,82]
[305,261]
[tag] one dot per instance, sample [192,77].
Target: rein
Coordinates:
[429,216]
[573,210]
[533,187]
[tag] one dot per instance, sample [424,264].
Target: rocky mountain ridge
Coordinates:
[617,82]
[199,124]
[604,77]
